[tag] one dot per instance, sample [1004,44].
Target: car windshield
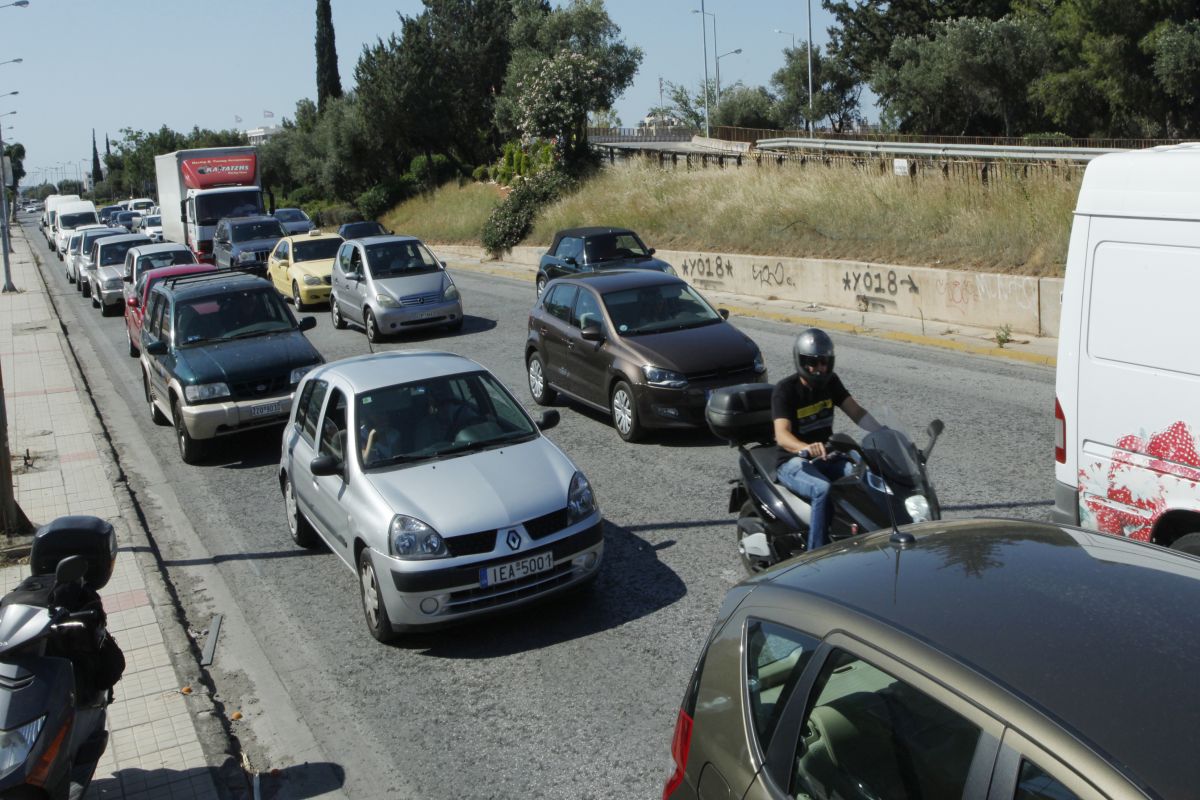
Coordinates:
[389,259]
[210,208]
[613,247]
[115,252]
[355,230]
[143,205]
[167,259]
[75,220]
[125,216]
[437,418]
[290,215]
[152,222]
[315,250]
[249,231]
[655,309]
[233,315]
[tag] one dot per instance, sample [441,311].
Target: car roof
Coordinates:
[250,218]
[127,237]
[375,370]
[614,280]
[229,281]
[1092,629]
[312,237]
[180,269]
[385,237]
[592,230]
[159,247]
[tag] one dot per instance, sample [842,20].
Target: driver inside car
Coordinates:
[378,439]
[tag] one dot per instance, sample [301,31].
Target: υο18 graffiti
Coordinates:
[706,267]
[877,282]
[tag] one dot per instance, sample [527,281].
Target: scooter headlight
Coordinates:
[15,744]
[917,507]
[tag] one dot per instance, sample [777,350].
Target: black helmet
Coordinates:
[812,347]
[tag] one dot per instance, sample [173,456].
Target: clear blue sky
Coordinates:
[112,65]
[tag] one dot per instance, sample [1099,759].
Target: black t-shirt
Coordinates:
[809,410]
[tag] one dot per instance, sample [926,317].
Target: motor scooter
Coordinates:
[57,663]
[887,486]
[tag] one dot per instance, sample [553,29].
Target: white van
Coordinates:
[70,216]
[52,204]
[1128,386]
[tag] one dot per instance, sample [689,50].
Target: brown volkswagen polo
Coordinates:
[643,346]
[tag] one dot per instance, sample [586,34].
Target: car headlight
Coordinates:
[656,376]
[581,503]
[15,744]
[451,293]
[759,364]
[409,537]
[298,373]
[312,280]
[205,391]
[917,507]
[387,301]
[246,256]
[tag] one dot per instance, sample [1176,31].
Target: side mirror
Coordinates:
[443,263]
[592,332]
[650,252]
[934,430]
[325,465]
[70,569]
[549,419]
[155,347]
[308,323]
[570,261]
[724,312]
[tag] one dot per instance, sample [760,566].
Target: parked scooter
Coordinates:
[888,485]
[57,663]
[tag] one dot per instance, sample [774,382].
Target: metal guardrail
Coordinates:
[935,150]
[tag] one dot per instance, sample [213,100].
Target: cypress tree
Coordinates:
[97,173]
[329,85]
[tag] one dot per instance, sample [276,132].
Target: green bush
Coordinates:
[509,154]
[481,173]
[373,202]
[504,175]
[431,172]
[330,215]
[512,220]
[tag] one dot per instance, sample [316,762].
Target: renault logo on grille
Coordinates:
[513,539]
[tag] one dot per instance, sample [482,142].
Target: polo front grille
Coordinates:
[251,390]
[471,544]
[740,374]
[420,299]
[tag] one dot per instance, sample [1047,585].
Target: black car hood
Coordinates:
[718,346]
[252,359]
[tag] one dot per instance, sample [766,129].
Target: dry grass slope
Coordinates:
[1009,226]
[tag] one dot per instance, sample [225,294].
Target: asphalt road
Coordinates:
[572,699]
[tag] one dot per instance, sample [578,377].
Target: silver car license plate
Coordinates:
[515,570]
[266,409]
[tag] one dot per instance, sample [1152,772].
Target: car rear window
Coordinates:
[248,231]
[775,658]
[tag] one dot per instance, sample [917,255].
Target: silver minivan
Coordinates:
[389,284]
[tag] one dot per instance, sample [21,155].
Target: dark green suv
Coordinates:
[221,354]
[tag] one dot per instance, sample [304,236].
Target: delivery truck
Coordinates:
[197,188]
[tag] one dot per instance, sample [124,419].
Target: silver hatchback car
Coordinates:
[428,479]
[390,284]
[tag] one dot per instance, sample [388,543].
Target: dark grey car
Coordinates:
[245,242]
[971,659]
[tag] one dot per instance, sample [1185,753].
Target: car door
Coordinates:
[566,257]
[326,494]
[155,328]
[277,266]
[590,360]
[1025,771]
[301,439]
[553,323]
[358,286]
[222,246]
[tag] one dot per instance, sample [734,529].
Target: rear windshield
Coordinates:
[168,259]
[355,230]
[115,252]
[389,259]
[290,215]
[210,208]
[248,231]
[315,250]
[90,237]
[233,315]
[152,222]
[75,220]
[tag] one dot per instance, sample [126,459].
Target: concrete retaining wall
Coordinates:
[979,299]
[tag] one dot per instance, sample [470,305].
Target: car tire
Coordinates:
[372,327]
[190,450]
[70,276]
[749,521]
[96,303]
[296,301]
[335,314]
[539,388]
[541,285]
[133,348]
[302,532]
[1188,543]
[156,416]
[374,609]
[85,288]
[623,406]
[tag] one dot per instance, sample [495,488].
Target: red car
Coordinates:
[136,304]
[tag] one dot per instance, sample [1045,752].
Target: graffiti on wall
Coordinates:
[707,271]
[771,274]
[879,283]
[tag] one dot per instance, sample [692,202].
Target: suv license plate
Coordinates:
[515,570]
[266,409]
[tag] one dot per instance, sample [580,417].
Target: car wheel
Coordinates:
[749,523]
[543,395]
[541,285]
[70,276]
[624,413]
[85,288]
[302,532]
[96,303]
[1188,543]
[156,416]
[133,348]
[190,450]
[373,334]
[296,301]
[335,313]
[374,609]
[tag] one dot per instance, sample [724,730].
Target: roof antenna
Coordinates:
[899,539]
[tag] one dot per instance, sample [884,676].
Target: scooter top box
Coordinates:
[741,414]
[90,537]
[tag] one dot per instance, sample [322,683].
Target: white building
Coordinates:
[260,135]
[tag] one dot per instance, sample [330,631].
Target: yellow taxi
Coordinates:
[300,266]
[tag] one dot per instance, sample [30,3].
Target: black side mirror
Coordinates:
[724,312]
[155,347]
[549,419]
[308,323]
[592,332]
[70,569]
[325,465]
[934,430]
[570,261]
[650,252]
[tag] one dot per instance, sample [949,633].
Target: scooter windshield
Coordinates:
[895,457]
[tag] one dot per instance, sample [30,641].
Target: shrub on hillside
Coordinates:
[431,172]
[481,173]
[511,221]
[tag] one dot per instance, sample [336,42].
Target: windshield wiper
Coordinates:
[249,334]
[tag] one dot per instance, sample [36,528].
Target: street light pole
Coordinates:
[704,39]
[730,53]
[6,245]
[810,91]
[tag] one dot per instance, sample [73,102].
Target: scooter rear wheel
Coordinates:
[749,523]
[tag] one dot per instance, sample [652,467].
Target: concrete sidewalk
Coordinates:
[62,465]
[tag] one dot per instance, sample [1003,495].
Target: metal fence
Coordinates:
[875,135]
[665,133]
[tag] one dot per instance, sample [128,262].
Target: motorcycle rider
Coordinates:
[802,409]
